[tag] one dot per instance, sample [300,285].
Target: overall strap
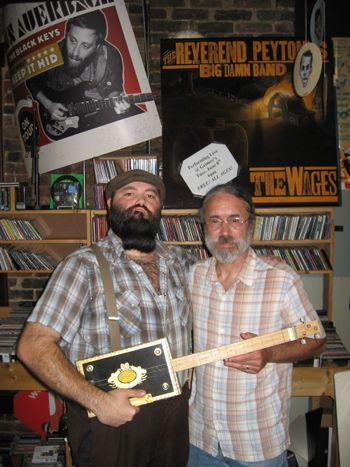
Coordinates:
[114,331]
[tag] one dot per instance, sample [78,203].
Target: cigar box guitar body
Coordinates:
[151,368]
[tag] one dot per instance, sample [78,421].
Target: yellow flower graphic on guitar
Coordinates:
[127,376]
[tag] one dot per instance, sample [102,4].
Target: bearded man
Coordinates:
[239,414]
[70,322]
[89,76]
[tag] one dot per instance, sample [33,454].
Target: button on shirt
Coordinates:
[246,413]
[73,303]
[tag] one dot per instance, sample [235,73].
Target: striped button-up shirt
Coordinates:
[247,414]
[73,303]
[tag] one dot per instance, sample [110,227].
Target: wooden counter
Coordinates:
[315,381]
[306,381]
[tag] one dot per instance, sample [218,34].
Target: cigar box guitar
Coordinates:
[151,368]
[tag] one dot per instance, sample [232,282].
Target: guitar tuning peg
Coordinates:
[302,320]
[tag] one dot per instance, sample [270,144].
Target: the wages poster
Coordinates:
[342,86]
[240,92]
[75,67]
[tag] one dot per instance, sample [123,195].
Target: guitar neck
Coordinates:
[95,105]
[231,350]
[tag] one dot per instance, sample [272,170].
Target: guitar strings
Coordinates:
[94,105]
[153,370]
[275,338]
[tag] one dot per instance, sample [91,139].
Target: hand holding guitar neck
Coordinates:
[150,366]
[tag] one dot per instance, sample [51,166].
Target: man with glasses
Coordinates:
[240,406]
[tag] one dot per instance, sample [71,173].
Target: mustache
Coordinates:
[226,239]
[130,211]
[75,57]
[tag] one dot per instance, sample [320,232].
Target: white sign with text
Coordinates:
[211,166]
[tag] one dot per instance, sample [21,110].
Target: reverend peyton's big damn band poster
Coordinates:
[75,67]
[240,92]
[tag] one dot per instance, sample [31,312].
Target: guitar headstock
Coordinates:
[310,329]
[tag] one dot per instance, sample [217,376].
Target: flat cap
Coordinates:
[135,176]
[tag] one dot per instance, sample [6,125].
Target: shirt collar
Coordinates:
[247,274]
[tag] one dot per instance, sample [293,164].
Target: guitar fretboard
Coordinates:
[94,105]
[245,346]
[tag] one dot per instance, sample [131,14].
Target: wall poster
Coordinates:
[240,92]
[75,67]
[342,86]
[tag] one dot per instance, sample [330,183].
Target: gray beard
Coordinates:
[228,255]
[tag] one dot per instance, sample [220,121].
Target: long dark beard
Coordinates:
[136,232]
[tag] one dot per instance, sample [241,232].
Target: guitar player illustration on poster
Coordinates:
[87,89]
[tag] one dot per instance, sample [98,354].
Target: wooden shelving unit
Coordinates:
[326,244]
[62,232]
[65,231]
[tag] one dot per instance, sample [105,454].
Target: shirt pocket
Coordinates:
[129,313]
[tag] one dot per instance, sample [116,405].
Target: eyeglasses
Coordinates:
[233,221]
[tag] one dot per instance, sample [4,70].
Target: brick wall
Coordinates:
[207,18]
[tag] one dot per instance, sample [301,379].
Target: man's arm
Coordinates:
[56,110]
[39,90]
[294,351]
[114,76]
[38,349]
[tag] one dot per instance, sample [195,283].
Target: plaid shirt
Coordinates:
[246,413]
[73,303]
